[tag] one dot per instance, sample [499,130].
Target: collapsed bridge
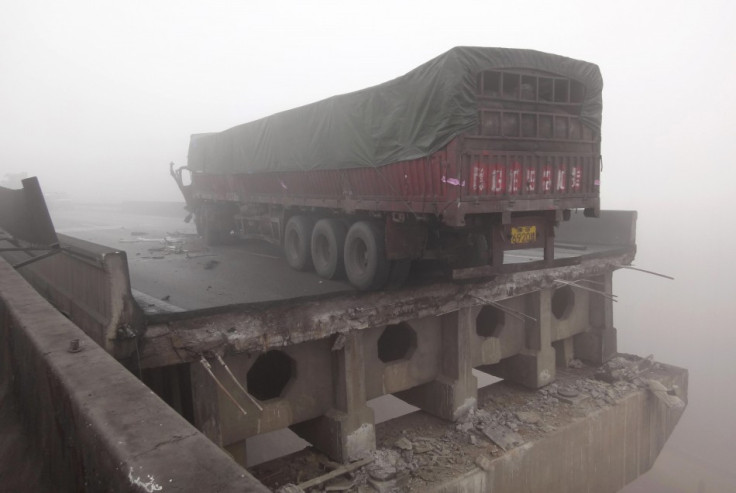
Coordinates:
[312,364]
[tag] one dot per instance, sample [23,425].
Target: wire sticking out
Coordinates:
[516,314]
[611,297]
[237,382]
[647,272]
[577,284]
[207,367]
[590,281]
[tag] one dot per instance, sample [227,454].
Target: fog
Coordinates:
[96,98]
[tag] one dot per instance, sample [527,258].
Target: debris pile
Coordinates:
[176,243]
[625,369]
[630,369]
[431,453]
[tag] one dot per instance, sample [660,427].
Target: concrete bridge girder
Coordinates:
[427,362]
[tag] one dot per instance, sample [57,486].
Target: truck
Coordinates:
[474,153]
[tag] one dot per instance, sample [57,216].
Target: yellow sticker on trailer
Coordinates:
[521,235]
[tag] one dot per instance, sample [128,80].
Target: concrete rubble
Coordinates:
[173,243]
[433,452]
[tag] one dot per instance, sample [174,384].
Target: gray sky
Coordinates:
[97,97]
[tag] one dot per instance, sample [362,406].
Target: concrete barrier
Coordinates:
[90,284]
[96,426]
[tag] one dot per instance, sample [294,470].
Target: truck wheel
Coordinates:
[297,241]
[366,264]
[328,246]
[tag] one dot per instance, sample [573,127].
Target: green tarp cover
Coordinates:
[406,118]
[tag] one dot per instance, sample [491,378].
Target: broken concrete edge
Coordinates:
[570,460]
[150,305]
[98,427]
[174,338]
[598,444]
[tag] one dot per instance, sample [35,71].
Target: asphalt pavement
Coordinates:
[167,260]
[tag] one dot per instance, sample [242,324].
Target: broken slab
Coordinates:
[173,338]
[600,443]
[503,436]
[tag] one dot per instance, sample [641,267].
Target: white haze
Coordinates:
[96,98]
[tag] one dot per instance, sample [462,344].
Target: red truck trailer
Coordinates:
[477,151]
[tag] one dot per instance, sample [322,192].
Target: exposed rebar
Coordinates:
[208,368]
[237,382]
[610,296]
[514,313]
[647,271]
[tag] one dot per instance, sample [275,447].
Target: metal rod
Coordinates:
[513,313]
[596,283]
[337,472]
[647,272]
[604,294]
[37,258]
[516,313]
[207,367]
[237,382]
[593,282]
[23,249]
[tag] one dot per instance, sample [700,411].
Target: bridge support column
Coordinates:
[455,391]
[598,344]
[346,432]
[565,351]
[535,365]
[206,404]
[207,415]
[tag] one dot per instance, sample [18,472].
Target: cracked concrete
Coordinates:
[561,446]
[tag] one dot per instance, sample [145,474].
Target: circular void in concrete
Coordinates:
[269,375]
[563,301]
[397,342]
[490,321]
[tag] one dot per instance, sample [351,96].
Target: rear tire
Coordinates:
[328,247]
[366,265]
[297,242]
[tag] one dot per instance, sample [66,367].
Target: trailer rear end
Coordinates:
[492,148]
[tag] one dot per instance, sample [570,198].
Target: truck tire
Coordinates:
[297,242]
[366,265]
[328,247]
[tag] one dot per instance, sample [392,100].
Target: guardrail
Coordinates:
[98,427]
[90,284]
